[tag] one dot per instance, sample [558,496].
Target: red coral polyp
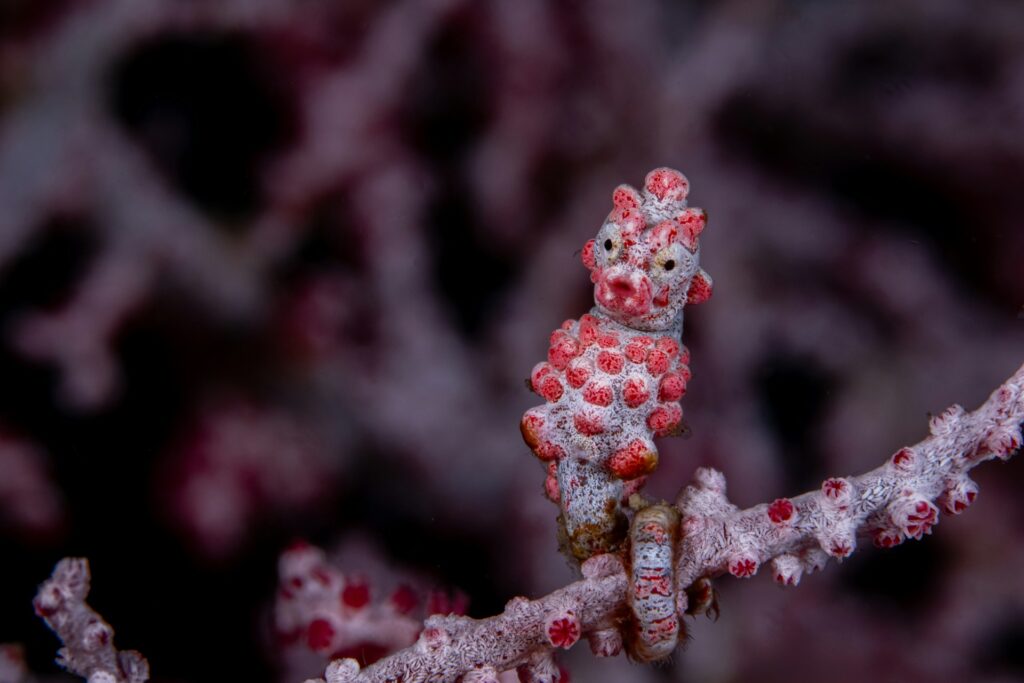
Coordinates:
[743,567]
[563,632]
[320,635]
[781,511]
[355,594]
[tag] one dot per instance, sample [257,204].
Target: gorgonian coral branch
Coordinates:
[891,503]
[523,637]
[88,649]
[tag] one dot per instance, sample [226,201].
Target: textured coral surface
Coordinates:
[357,221]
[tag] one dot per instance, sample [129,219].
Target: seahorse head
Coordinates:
[645,260]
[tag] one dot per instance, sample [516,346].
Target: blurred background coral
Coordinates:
[273,269]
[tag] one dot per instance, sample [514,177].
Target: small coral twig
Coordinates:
[893,502]
[88,640]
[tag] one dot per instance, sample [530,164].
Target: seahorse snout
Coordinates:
[625,292]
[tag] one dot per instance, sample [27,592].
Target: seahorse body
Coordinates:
[613,379]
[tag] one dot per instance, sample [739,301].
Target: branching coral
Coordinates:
[88,640]
[895,501]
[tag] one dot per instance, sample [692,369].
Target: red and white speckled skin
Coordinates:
[651,591]
[613,378]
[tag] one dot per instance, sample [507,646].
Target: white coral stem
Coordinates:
[88,649]
[515,638]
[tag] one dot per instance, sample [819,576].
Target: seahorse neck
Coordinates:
[674,330]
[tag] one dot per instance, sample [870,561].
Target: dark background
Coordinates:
[344,231]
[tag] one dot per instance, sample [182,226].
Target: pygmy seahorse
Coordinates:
[613,379]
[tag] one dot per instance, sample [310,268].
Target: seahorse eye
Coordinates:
[608,244]
[670,264]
